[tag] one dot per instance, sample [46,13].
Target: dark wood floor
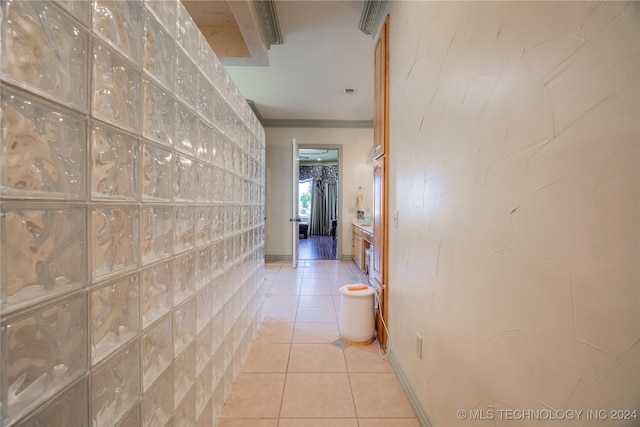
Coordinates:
[318,247]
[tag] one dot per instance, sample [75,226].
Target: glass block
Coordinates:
[184,325]
[157,350]
[42,353]
[184,268]
[204,105]
[159,50]
[243,164]
[219,108]
[119,23]
[218,222]
[187,32]
[204,273]
[114,164]
[204,141]
[227,220]
[217,179]
[235,212]
[203,348]
[157,115]
[184,228]
[229,321]
[227,348]
[204,190]
[81,10]
[218,396]
[44,149]
[204,226]
[115,385]
[218,327]
[217,148]
[132,419]
[205,419]
[184,373]
[185,129]
[115,316]
[156,293]
[184,78]
[217,297]
[157,402]
[45,51]
[165,11]
[244,217]
[227,187]
[205,56]
[116,88]
[183,179]
[228,156]
[217,258]
[203,308]
[114,240]
[71,408]
[157,233]
[204,389]
[44,253]
[185,413]
[235,154]
[157,166]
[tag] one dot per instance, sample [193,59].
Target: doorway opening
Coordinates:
[318,203]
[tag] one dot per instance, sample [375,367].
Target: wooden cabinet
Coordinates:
[360,242]
[378,267]
[357,248]
[380,215]
[381,93]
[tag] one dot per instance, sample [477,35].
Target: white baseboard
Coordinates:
[423,419]
[277,257]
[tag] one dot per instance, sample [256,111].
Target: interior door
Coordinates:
[295,214]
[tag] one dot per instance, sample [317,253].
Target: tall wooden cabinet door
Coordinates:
[380,93]
[377,272]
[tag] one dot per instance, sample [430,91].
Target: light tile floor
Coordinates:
[299,373]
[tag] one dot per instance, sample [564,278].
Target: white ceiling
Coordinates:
[322,54]
[315,155]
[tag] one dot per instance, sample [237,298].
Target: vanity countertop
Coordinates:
[363,225]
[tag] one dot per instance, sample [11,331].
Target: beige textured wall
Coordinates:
[514,169]
[357,151]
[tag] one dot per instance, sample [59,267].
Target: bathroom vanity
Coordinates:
[362,239]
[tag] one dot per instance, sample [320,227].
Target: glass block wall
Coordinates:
[132,207]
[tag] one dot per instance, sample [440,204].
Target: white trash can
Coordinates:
[357,317]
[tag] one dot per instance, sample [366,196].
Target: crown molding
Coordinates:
[308,123]
[268,18]
[372,15]
[298,123]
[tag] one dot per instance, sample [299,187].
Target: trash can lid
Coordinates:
[357,289]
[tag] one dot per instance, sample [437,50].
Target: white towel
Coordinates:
[360,203]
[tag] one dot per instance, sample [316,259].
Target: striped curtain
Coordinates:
[324,206]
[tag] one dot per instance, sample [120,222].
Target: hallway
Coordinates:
[317,247]
[299,373]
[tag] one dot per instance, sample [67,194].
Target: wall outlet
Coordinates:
[419,346]
[395,219]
